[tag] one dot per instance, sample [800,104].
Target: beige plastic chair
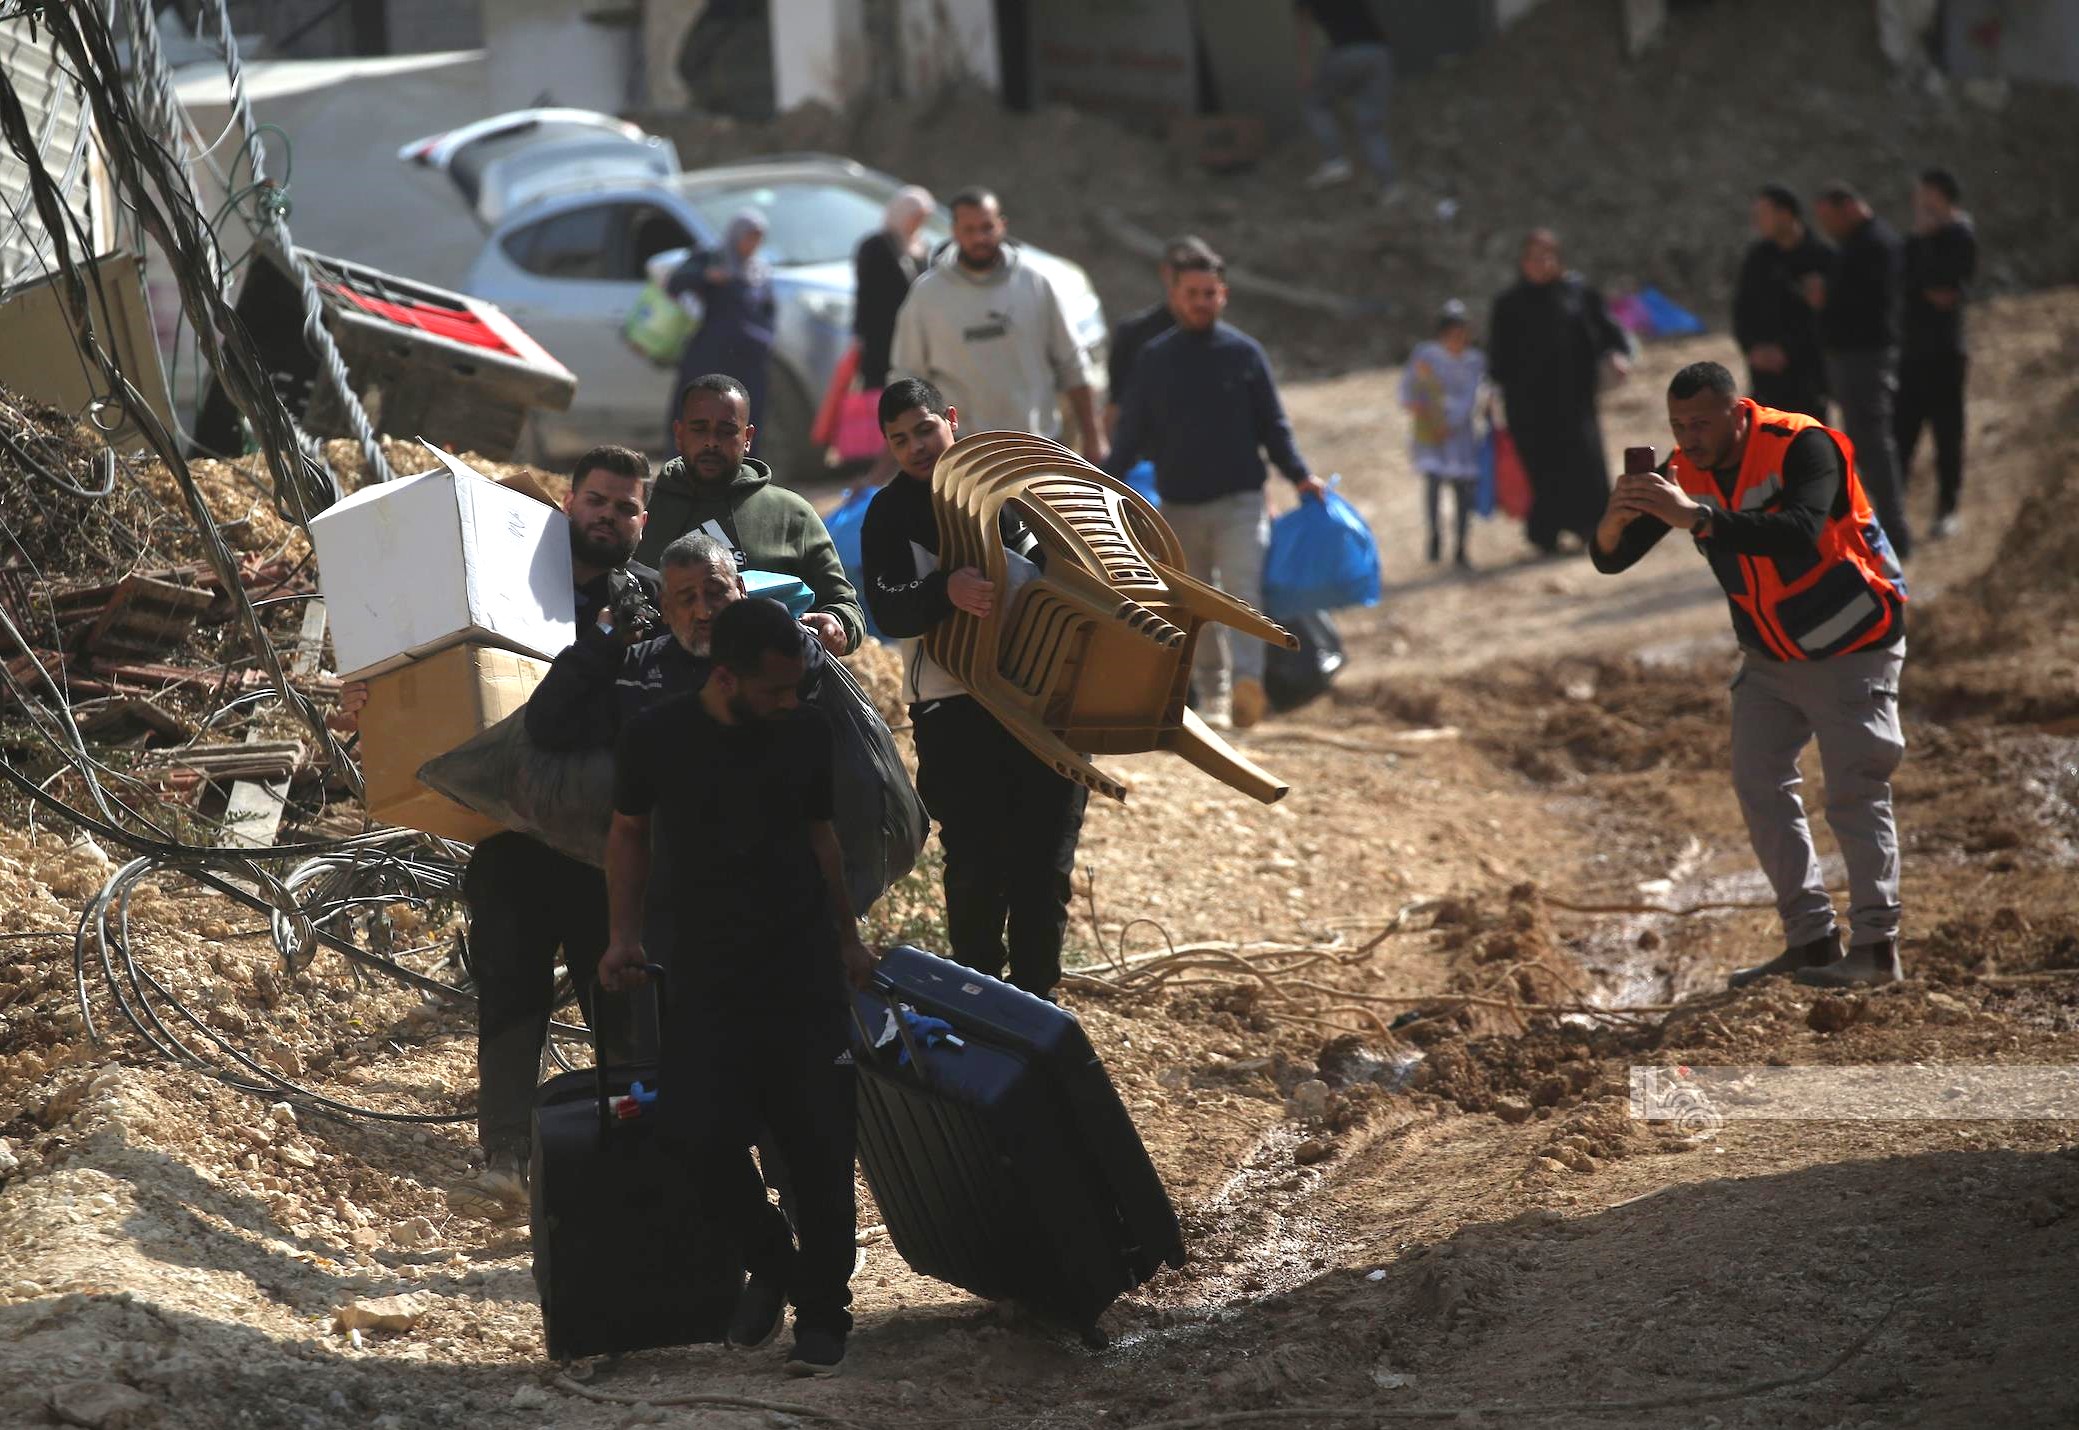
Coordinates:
[1093,655]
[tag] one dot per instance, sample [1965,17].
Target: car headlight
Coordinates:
[833,310]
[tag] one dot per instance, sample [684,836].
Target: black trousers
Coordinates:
[1931,393]
[1008,826]
[785,1078]
[526,904]
[1462,500]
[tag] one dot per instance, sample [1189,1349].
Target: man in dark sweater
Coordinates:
[1818,606]
[1859,328]
[1204,408]
[1007,823]
[1941,260]
[1774,321]
[1137,330]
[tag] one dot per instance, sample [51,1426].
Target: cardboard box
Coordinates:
[427,708]
[422,563]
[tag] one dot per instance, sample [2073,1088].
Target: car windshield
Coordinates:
[806,222]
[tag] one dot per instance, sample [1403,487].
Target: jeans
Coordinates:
[1865,386]
[1931,393]
[1364,75]
[1851,704]
[526,903]
[1224,540]
[1008,826]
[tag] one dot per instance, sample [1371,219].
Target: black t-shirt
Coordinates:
[1863,292]
[730,809]
[1345,22]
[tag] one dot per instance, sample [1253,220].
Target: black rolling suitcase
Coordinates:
[620,1261]
[1001,1156]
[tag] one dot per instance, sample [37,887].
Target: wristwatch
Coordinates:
[1701,526]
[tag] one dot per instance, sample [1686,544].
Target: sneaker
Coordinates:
[1947,525]
[1249,704]
[1335,171]
[1390,196]
[498,1193]
[1217,711]
[816,1353]
[759,1309]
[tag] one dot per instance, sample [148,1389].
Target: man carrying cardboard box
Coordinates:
[714,485]
[526,901]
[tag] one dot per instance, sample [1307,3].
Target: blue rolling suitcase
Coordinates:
[620,1260]
[997,1148]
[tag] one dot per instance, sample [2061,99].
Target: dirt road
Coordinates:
[1482,1231]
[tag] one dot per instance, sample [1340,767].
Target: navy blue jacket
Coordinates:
[1203,408]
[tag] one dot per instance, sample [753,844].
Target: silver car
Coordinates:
[577,203]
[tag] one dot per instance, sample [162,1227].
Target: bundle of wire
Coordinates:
[313,908]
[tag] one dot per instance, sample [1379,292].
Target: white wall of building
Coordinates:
[818,53]
[555,52]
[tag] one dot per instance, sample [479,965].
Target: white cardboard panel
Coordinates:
[413,566]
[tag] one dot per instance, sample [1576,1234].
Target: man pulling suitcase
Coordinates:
[733,783]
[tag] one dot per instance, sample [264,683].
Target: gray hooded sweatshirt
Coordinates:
[997,344]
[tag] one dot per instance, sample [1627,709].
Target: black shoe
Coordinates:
[816,1353]
[759,1307]
[1865,963]
[1436,550]
[1791,960]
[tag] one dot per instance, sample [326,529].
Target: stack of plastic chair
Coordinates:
[1093,655]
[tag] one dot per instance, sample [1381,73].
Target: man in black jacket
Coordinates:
[1774,321]
[1136,330]
[527,902]
[1859,327]
[1941,260]
[1552,338]
[1007,823]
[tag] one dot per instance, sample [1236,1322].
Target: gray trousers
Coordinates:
[1866,387]
[1363,74]
[1851,703]
[1224,541]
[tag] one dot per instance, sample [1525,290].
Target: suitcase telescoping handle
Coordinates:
[902,1029]
[606,1110]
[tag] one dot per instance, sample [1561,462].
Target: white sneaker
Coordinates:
[1218,712]
[1948,526]
[1335,171]
[498,1193]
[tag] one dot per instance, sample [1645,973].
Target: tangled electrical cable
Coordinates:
[319,903]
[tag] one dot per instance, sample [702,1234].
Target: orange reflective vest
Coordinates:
[1846,593]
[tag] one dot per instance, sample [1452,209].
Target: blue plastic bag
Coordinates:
[845,526]
[1669,319]
[1322,557]
[1141,477]
[790,591]
[1483,489]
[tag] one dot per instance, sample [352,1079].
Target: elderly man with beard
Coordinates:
[526,901]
